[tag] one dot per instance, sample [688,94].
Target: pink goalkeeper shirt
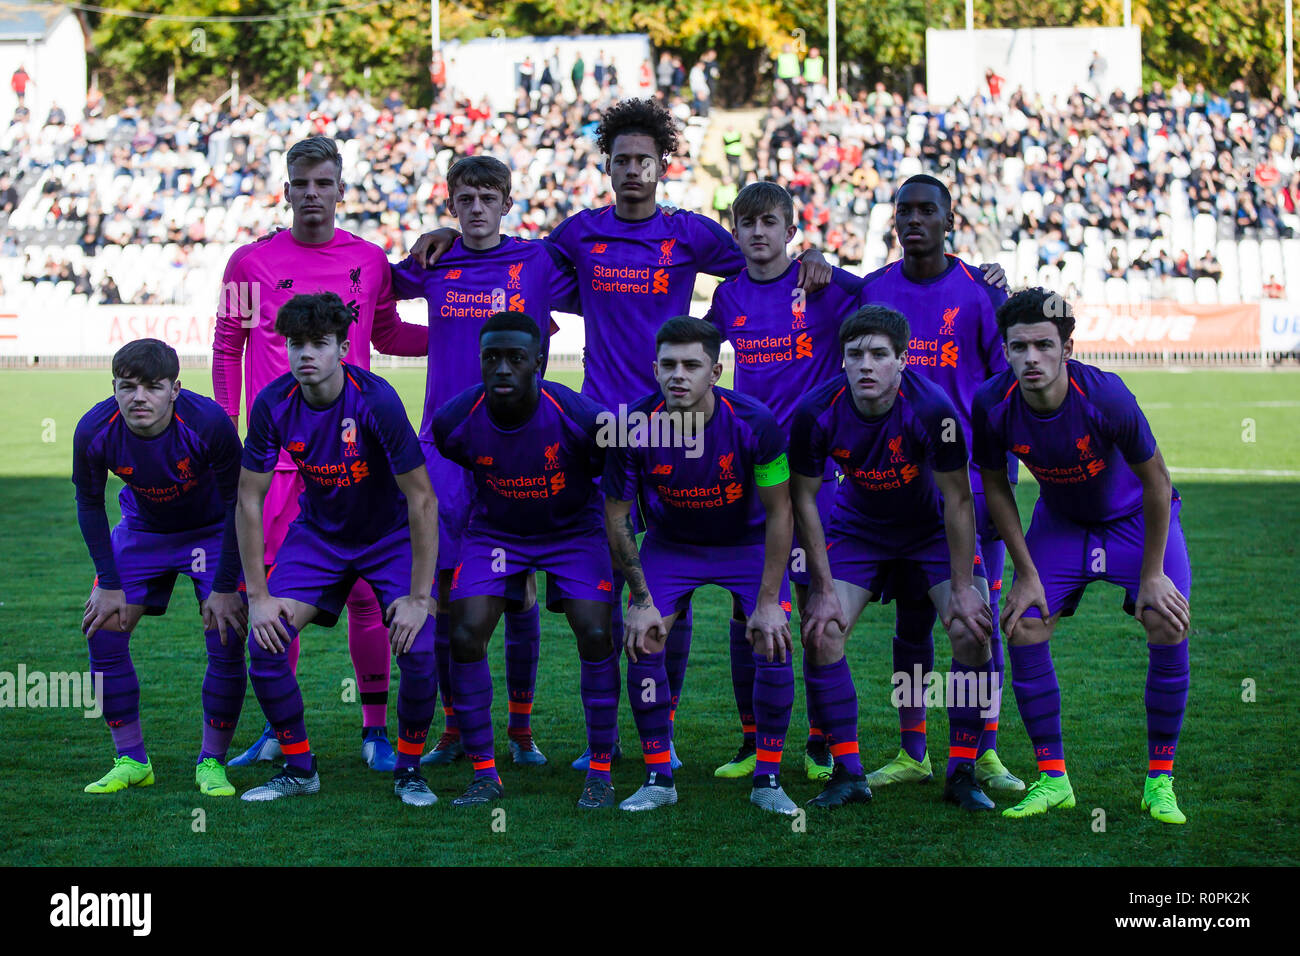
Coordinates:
[262,276]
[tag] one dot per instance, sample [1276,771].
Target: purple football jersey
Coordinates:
[184,479]
[787,342]
[710,498]
[633,275]
[346,452]
[955,341]
[1080,452]
[888,496]
[467,286]
[535,479]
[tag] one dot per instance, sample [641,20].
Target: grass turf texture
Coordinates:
[1232,773]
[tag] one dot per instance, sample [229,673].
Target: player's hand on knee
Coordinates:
[822,609]
[1026,592]
[104,607]
[405,617]
[1160,595]
[431,246]
[768,631]
[225,613]
[266,619]
[643,630]
[968,608]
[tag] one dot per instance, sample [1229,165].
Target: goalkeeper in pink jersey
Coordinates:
[312,256]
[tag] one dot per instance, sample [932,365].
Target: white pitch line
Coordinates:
[1239,472]
[1276,404]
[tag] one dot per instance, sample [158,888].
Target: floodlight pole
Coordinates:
[435,29]
[970,14]
[833,72]
[1290,70]
[1128,13]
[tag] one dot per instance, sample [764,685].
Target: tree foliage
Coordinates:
[386,44]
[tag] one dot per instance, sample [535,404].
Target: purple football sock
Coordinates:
[281,699]
[599,686]
[417,696]
[676,652]
[442,655]
[110,656]
[994,562]
[773,700]
[471,688]
[835,701]
[224,684]
[1168,678]
[968,688]
[647,692]
[742,679]
[914,656]
[1038,695]
[523,646]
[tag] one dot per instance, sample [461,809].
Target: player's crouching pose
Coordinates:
[1106,511]
[717,507]
[531,448]
[178,455]
[368,512]
[903,525]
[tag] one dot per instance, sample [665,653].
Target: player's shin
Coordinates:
[224,685]
[647,693]
[914,657]
[442,655]
[1168,679]
[471,688]
[281,699]
[966,692]
[833,697]
[110,662]
[742,679]
[371,653]
[599,688]
[773,695]
[417,697]
[1038,695]
[677,651]
[523,636]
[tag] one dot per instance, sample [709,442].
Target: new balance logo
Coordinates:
[296,446]
[841,453]
[452,274]
[1020,449]
[605,586]
[484,460]
[948,316]
[948,355]
[599,247]
[284,284]
[661,470]
[739,321]
[124,471]
[660,282]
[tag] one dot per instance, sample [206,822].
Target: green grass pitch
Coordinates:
[1235,769]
